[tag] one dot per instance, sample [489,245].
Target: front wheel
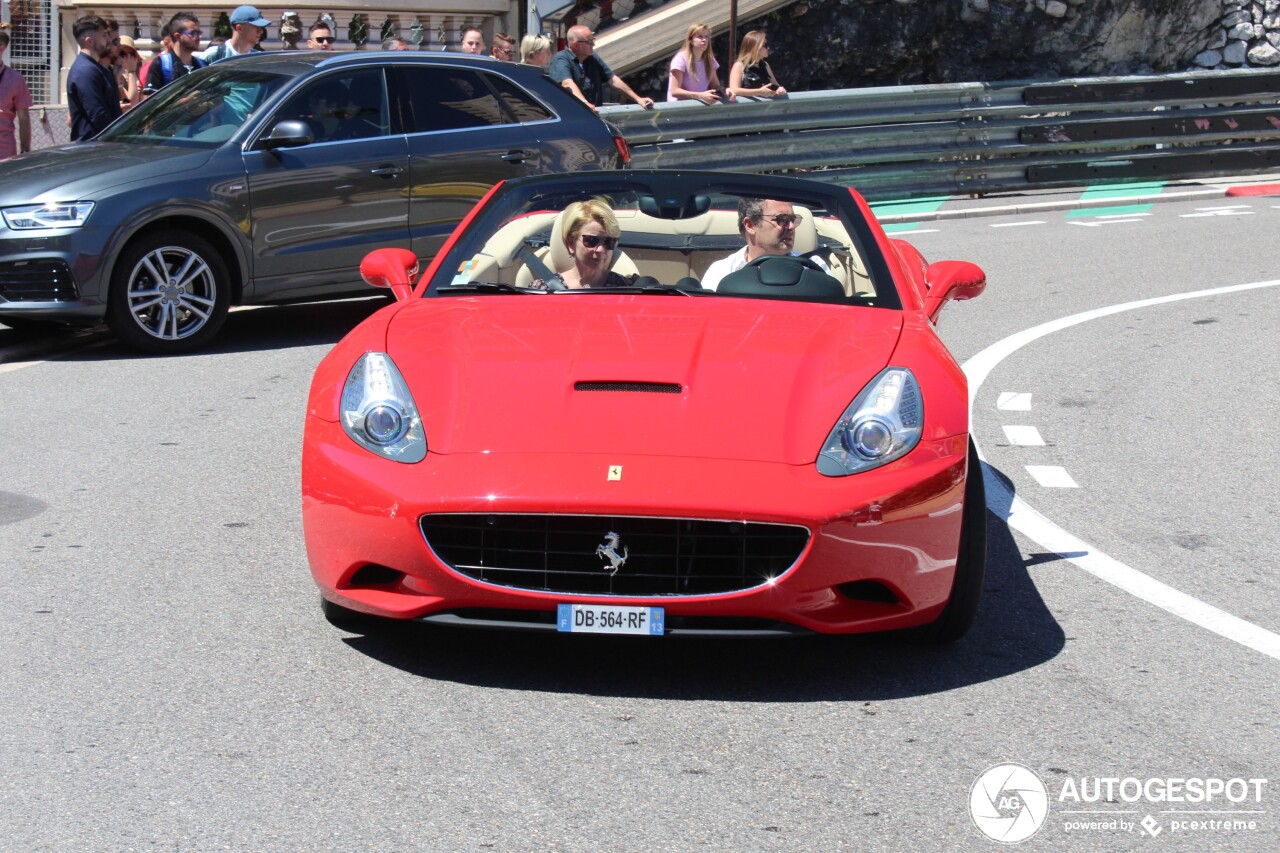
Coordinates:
[971,562]
[170,292]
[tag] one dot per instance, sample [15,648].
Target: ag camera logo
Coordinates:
[1009,803]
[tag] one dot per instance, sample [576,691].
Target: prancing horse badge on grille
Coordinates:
[609,551]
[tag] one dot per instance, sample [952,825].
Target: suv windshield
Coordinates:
[200,110]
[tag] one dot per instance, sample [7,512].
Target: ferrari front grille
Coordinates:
[614,555]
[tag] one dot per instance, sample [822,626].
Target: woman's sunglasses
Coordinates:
[595,241]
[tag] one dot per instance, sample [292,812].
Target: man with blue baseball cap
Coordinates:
[248,27]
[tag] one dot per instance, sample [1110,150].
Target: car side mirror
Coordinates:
[951,280]
[290,133]
[393,268]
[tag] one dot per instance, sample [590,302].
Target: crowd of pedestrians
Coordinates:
[109,75]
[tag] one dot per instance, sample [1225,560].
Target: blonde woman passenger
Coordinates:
[535,50]
[693,74]
[591,234]
[751,76]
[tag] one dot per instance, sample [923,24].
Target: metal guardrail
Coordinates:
[976,138]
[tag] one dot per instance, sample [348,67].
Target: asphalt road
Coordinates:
[168,683]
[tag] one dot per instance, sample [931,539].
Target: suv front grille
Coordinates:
[41,280]
[571,553]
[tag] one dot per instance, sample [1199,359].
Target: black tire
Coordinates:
[971,562]
[348,619]
[170,292]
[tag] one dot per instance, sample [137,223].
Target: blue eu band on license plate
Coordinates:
[609,619]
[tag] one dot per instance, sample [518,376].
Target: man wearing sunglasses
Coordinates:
[583,74]
[320,37]
[180,59]
[769,227]
[504,47]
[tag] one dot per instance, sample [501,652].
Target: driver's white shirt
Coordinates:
[737,261]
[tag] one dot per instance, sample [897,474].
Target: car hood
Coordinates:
[706,377]
[80,172]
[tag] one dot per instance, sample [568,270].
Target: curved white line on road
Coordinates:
[1021,517]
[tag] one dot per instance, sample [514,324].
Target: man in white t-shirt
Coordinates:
[769,227]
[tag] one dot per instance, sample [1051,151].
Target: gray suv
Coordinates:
[266,178]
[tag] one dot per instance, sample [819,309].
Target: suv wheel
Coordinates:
[169,293]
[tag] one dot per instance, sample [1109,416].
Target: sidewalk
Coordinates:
[1035,201]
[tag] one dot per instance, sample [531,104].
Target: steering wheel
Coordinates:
[803,260]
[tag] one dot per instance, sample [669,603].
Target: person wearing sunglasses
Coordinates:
[581,71]
[504,47]
[591,235]
[769,227]
[320,37]
[182,34]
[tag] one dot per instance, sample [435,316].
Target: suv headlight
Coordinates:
[883,423]
[378,411]
[57,214]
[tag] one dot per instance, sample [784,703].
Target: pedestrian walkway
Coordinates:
[907,214]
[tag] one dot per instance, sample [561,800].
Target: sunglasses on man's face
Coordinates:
[785,220]
[595,241]
[325,39]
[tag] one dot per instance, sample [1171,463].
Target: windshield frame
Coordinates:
[544,193]
[169,107]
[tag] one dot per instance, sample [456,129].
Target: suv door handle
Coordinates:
[386,171]
[517,156]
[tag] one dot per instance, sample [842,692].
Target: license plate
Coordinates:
[608,619]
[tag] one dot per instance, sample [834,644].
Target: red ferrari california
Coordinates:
[651,403]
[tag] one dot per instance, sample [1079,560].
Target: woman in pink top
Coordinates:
[692,76]
[15,103]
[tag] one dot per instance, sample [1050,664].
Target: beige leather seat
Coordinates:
[557,258]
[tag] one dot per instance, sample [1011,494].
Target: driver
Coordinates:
[769,227]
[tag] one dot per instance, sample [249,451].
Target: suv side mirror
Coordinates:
[289,134]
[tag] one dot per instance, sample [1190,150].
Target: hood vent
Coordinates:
[631,387]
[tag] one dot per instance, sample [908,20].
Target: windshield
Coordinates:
[704,242]
[200,110]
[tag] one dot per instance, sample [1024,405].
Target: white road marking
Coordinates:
[1100,224]
[1224,207]
[1216,213]
[1014,224]
[1024,436]
[1052,476]
[1013,401]
[1022,517]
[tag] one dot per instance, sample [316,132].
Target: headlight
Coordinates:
[378,411]
[58,214]
[883,423]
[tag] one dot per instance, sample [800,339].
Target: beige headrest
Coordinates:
[806,239]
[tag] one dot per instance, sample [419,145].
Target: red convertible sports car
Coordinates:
[652,403]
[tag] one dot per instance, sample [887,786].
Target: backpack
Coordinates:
[166,64]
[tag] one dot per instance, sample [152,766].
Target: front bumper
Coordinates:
[52,274]
[881,554]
